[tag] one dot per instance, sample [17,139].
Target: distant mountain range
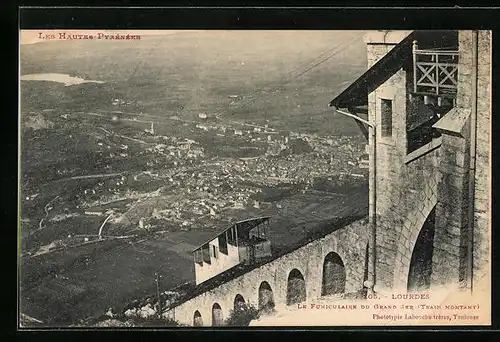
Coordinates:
[251,75]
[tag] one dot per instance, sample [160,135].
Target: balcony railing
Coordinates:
[435,72]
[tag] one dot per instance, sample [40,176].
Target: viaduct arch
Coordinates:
[217,316]
[416,222]
[266,297]
[334,275]
[239,302]
[197,319]
[420,268]
[296,287]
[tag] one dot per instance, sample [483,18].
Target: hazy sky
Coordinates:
[32,36]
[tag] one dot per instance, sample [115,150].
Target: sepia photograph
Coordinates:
[252,178]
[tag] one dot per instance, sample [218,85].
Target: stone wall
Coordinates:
[482,232]
[451,212]
[406,192]
[451,257]
[349,243]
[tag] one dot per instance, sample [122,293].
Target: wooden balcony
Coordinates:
[435,72]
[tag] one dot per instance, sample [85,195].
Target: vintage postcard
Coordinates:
[206,178]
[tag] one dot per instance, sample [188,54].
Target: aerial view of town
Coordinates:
[135,152]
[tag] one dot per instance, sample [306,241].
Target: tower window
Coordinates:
[386,117]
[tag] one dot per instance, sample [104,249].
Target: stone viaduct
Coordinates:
[332,265]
